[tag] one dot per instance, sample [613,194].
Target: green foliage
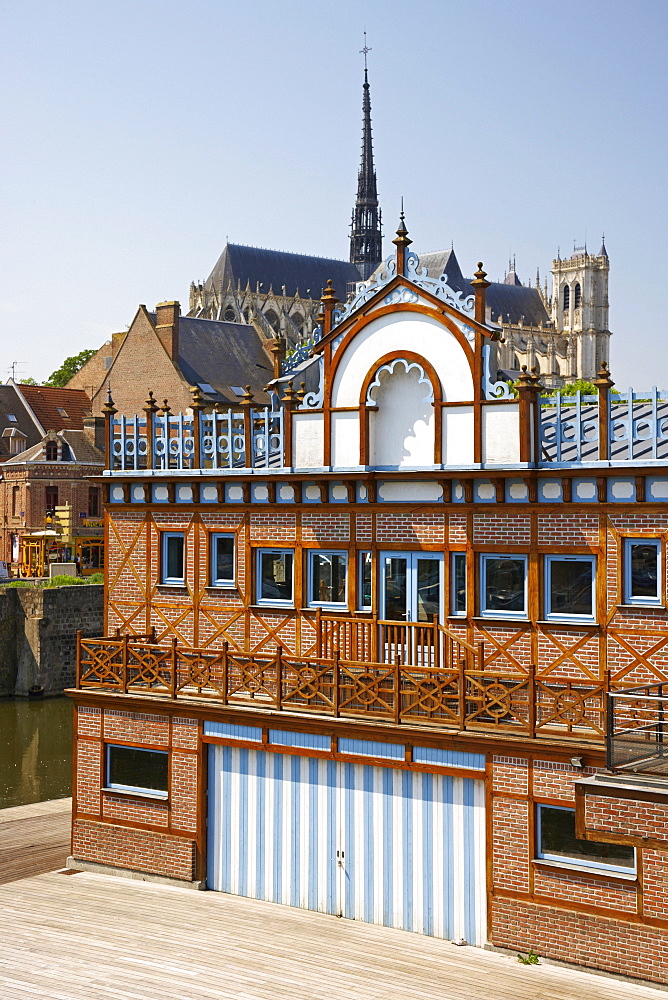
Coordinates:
[68,369]
[94,578]
[531,958]
[29,381]
[580,385]
[59,581]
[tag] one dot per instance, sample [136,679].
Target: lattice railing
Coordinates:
[453,695]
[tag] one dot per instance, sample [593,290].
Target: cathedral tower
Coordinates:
[366,250]
[580,309]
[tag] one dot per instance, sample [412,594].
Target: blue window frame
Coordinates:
[364,586]
[327,578]
[570,588]
[133,769]
[556,841]
[275,580]
[173,558]
[458,584]
[503,586]
[222,560]
[642,571]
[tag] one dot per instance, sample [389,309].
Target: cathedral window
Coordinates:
[230,316]
[577,296]
[567,297]
[272,319]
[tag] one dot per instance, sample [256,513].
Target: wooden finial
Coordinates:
[603,380]
[198,402]
[290,398]
[109,407]
[535,379]
[328,300]
[165,409]
[301,392]
[151,405]
[401,242]
[525,381]
[480,286]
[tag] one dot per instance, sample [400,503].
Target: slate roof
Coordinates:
[513,302]
[83,451]
[11,403]
[275,268]
[223,355]
[46,401]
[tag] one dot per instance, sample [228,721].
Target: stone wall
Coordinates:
[38,629]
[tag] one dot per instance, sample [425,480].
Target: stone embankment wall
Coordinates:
[38,635]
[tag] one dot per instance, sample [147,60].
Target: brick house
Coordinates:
[392,649]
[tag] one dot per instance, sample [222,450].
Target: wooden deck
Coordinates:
[34,838]
[95,937]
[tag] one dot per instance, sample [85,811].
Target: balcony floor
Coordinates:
[96,936]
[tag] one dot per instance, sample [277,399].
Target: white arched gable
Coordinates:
[405,331]
[409,367]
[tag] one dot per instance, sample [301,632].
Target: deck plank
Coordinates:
[89,936]
[34,838]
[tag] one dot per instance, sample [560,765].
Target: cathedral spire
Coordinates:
[366,237]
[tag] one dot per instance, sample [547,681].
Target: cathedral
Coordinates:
[563,334]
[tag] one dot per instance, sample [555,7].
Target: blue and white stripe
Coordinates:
[411,844]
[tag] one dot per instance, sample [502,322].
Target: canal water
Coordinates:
[35,750]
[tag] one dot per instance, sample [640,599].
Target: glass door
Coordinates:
[411,586]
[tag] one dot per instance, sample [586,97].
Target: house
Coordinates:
[50,511]
[392,649]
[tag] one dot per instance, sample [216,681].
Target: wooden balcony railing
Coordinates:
[452,695]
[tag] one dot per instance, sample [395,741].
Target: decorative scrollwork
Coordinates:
[492,390]
[409,366]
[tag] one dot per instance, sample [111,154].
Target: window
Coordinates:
[12,418]
[458,583]
[93,501]
[222,560]
[642,562]
[327,577]
[65,452]
[570,587]
[364,581]
[230,316]
[16,501]
[172,557]
[503,587]
[51,498]
[567,297]
[274,575]
[557,842]
[133,770]
[51,454]
[62,411]
[577,296]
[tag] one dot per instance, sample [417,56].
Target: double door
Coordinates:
[411,586]
[401,848]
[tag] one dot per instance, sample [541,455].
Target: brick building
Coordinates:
[391,649]
[49,510]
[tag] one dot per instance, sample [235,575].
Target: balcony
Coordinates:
[637,736]
[418,674]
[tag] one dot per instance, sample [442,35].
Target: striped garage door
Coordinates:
[399,848]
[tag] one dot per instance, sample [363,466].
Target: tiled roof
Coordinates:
[57,408]
[275,268]
[82,450]
[11,405]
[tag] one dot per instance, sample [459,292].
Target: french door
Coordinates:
[411,586]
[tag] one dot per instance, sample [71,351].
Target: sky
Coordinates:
[138,136]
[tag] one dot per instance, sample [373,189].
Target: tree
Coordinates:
[68,369]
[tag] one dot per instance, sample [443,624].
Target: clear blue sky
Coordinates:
[138,134]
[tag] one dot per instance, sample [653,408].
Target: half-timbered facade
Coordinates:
[371,649]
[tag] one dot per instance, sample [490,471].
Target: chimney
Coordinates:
[94,431]
[167,327]
[116,341]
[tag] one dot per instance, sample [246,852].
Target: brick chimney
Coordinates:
[167,327]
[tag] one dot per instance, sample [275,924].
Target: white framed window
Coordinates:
[133,769]
[275,578]
[503,586]
[570,588]
[327,578]
[173,561]
[222,560]
[458,583]
[642,571]
[364,594]
[556,841]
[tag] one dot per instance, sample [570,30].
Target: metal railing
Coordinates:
[637,733]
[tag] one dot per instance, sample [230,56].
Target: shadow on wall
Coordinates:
[401,430]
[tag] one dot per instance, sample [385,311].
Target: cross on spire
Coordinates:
[365,50]
[366,236]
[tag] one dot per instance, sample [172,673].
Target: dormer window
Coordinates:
[51,454]
[577,296]
[567,297]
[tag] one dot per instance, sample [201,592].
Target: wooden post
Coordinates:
[279,678]
[604,384]
[481,656]
[278,355]
[246,404]
[328,300]
[480,287]
[318,632]
[174,665]
[374,637]
[532,701]
[528,390]
[109,410]
[124,667]
[336,695]
[462,689]
[197,406]
[397,689]
[77,682]
[150,409]
[224,666]
[289,402]
[437,642]
[402,243]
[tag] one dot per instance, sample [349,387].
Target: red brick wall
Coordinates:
[139,850]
